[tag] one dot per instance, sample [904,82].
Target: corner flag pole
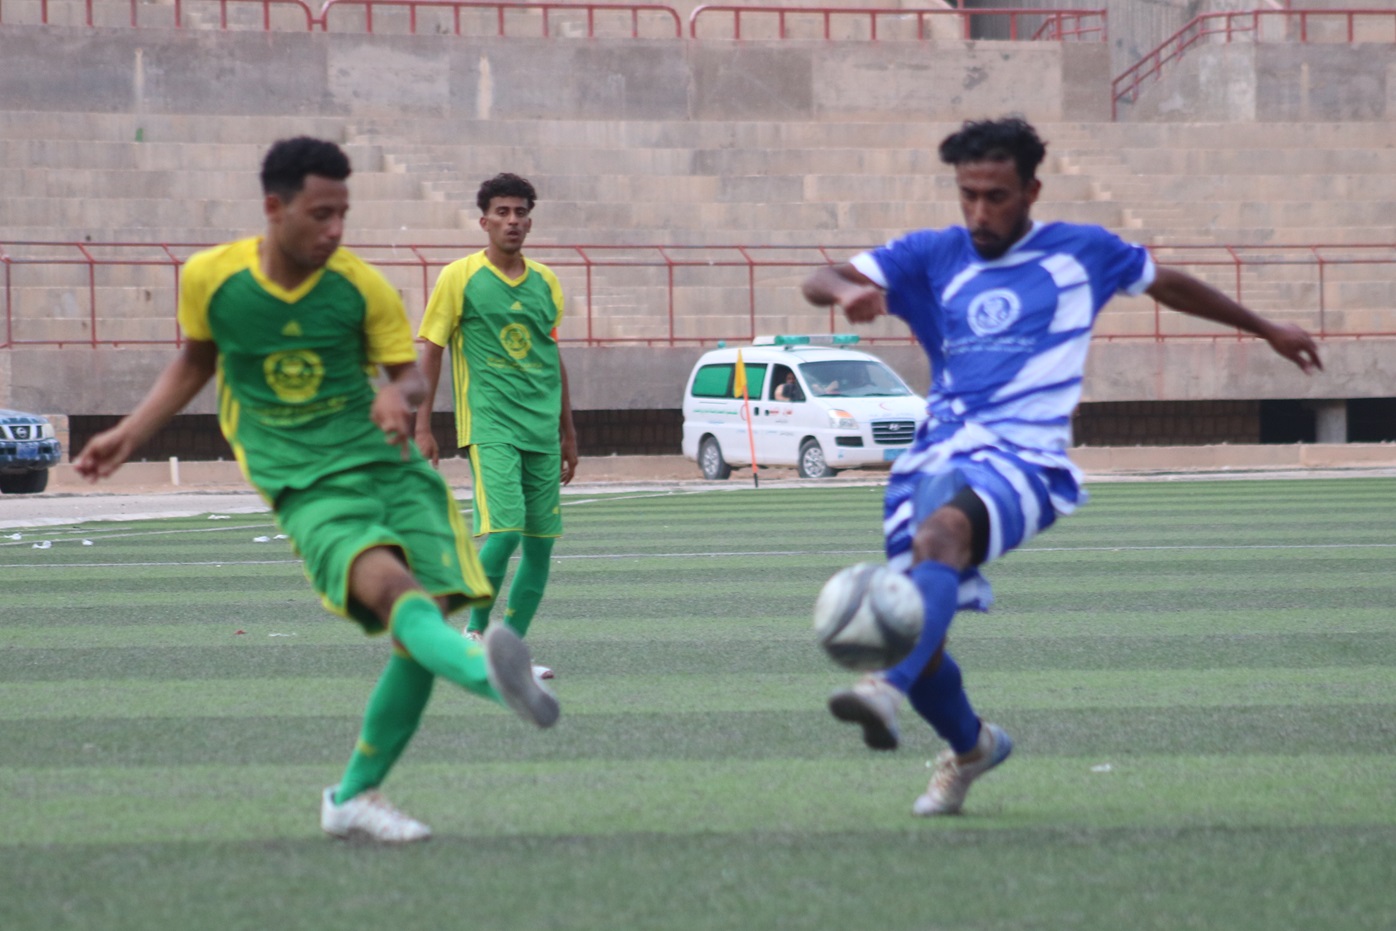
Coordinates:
[739,390]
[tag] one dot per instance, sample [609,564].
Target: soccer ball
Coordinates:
[868,617]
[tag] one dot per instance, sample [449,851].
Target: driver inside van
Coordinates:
[789,389]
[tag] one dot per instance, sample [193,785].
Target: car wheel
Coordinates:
[24,483]
[710,460]
[812,464]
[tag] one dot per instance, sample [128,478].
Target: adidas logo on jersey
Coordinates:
[516,306]
[292,329]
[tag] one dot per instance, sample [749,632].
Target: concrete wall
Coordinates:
[126,71]
[123,70]
[111,381]
[1277,83]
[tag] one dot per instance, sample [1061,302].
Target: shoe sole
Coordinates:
[511,673]
[847,706]
[358,836]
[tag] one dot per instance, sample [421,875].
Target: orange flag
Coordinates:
[739,389]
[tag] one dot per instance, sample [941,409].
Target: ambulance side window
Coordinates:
[713,381]
[784,386]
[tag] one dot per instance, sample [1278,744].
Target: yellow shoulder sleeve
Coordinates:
[447,303]
[387,332]
[200,279]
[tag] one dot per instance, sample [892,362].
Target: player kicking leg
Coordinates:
[942,524]
[374,521]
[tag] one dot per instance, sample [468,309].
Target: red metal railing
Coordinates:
[663,21]
[1056,25]
[542,14]
[506,13]
[62,294]
[1253,26]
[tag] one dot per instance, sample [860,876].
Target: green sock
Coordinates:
[417,624]
[526,591]
[393,713]
[494,559]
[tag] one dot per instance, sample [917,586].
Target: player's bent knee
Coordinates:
[378,578]
[944,537]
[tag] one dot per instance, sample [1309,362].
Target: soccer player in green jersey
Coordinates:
[293,326]
[499,312]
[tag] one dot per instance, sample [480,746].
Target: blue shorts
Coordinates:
[1024,491]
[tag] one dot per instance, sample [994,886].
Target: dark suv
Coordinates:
[28,449]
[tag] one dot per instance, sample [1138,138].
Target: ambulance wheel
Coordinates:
[812,463]
[710,460]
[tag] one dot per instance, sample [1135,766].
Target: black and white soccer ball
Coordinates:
[868,617]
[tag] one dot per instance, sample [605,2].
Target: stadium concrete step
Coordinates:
[1203,162]
[164,127]
[158,156]
[161,215]
[192,185]
[649,134]
[1345,236]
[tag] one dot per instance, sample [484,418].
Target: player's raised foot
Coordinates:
[543,672]
[873,704]
[369,816]
[511,674]
[475,635]
[951,781]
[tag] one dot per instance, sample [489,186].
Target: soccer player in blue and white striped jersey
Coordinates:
[1003,307]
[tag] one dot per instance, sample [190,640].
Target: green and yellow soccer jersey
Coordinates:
[503,346]
[295,367]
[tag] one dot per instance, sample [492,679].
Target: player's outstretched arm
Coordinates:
[394,403]
[1184,293]
[177,385]
[849,289]
[429,356]
[567,429]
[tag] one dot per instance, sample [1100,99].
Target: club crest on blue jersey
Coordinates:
[994,311]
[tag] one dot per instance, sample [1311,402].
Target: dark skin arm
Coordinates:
[430,356]
[1185,294]
[394,403]
[567,430]
[182,379]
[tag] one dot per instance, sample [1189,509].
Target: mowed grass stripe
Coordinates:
[1171,771]
[1102,734]
[275,627]
[205,804]
[986,880]
[790,652]
[1028,689]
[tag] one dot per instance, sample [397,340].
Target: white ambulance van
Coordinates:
[820,408]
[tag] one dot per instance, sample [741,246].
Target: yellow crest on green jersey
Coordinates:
[295,375]
[516,340]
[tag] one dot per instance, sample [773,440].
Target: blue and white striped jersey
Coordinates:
[1007,337]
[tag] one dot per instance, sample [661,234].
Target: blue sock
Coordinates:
[940,590]
[940,698]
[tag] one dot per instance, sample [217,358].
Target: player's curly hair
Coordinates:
[1010,138]
[505,185]
[288,162]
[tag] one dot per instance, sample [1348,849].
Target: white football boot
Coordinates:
[873,703]
[369,816]
[951,781]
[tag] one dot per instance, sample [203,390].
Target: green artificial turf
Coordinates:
[1200,678]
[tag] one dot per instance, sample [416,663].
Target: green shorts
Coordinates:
[516,489]
[406,506]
